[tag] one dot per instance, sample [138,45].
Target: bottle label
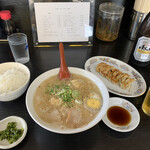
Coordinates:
[142,49]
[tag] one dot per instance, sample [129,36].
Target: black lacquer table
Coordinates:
[100,137]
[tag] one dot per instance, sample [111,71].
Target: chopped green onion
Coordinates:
[11,133]
[78,101]
[64,92]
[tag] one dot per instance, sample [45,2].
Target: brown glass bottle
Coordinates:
[140,55]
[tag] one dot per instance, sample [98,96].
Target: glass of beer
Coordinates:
[146,103]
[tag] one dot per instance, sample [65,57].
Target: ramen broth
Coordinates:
[70,103]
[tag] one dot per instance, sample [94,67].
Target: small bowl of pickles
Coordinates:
[13,129]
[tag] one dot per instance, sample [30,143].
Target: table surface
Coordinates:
[99,137]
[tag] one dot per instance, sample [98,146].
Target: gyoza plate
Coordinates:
[135,117]
[138,87]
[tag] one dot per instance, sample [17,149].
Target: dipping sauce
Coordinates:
[118,115]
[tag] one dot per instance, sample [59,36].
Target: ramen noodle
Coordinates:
[70,103]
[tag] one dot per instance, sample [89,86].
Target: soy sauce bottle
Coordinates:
[140,55]
[7,22]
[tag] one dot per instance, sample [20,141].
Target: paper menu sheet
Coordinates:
[62,21]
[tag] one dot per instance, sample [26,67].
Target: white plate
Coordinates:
[138,87]
[4,144]
[135,117]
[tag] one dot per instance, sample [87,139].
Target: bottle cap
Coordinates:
[5,14]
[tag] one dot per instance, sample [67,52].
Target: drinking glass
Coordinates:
[146,103]
[19,47]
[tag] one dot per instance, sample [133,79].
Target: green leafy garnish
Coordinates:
[75,94]
[64,92]
[11,133]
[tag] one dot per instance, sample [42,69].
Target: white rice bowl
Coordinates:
[14,80]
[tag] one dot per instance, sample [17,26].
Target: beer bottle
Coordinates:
[140,55]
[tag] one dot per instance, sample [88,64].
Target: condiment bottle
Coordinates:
[109,20]
[140,55]
[0,32]
[8,23]
[140,10]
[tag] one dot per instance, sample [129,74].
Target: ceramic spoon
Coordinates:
[63,72]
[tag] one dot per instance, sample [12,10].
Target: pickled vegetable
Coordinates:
[11,133]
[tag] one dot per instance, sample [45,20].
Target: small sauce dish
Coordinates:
[126,122]
[21,123]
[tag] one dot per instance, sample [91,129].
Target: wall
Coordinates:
[21,16]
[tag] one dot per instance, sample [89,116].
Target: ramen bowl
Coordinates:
[35,84]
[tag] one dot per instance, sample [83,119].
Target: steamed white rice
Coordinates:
[11,80]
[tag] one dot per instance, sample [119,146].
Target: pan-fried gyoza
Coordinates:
[114,75]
